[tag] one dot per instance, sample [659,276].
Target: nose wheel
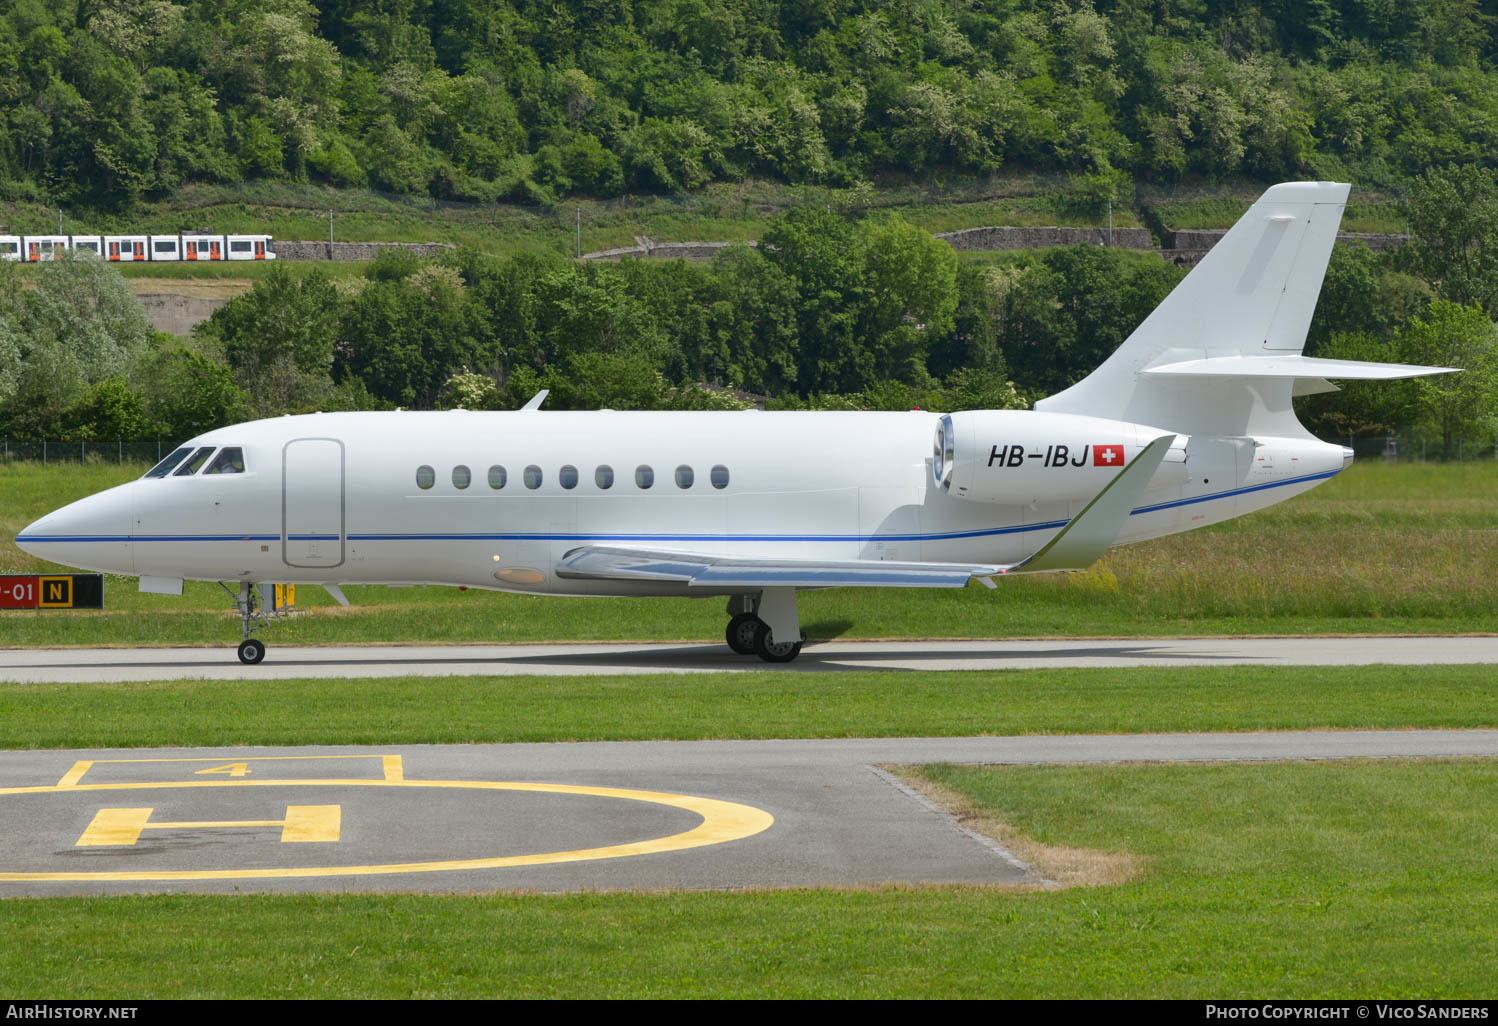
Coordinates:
[251,650]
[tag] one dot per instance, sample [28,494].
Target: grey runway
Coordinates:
[696,815]
[41,666]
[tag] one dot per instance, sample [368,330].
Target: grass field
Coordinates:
[755,704]
[1295,880]
[1379,549]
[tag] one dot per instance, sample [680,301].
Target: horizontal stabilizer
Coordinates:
[1090,533]
[1291,366]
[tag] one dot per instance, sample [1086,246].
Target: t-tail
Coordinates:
[1222,355]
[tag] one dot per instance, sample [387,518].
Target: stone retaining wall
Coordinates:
[1045,238]
[1203,239]
[351,251]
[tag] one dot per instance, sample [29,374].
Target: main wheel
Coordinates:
[780,652]
[251,651]
[742,630]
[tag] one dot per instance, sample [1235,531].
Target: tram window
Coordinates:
[684,477]
[644,476]
[462,476]
[567,477]
[230,460]
[164,468]
[603,477]
[719,476]
[425,477]
[239,247]
[195,462]
[532,476]
[497,477]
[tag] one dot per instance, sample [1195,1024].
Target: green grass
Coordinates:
[1355,879]
[754,704]
[1379,549]
[719,212]
[1219,205]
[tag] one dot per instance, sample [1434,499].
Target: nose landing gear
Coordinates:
[251,650]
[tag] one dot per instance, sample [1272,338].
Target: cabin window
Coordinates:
[684,476]
[239,247]
[164,246]
[533,476]
[719,476]
[603,477]
[461,477]
[567,477]
[230,460]
[164,468]
[425,477]
[194,462]
[497,477]
[644,476]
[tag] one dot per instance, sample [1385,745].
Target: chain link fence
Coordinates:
[117,451]
[1418,447]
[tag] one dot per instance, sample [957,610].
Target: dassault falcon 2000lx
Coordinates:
[1188,423]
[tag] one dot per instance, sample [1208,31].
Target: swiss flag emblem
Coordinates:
[1107,456]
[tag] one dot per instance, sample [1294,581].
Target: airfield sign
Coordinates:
[51,591]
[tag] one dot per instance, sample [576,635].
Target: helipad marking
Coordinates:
[721,822]
[390,764]
[122,827]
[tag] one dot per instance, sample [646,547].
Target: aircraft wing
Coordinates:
[1075,547]
[706,570]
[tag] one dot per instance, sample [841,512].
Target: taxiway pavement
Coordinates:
[139,664]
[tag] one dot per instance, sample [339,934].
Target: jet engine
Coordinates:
[1013,456]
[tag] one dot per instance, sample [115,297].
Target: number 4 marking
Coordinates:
[234,769]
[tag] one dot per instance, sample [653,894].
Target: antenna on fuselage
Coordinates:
[536,400]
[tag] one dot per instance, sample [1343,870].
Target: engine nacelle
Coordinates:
[1015,456]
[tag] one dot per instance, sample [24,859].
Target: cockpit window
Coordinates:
[164,468]
[194,462]
[230,460]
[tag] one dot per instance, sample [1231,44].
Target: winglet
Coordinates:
[536,400]
[1091,532]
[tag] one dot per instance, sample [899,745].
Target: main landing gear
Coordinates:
[251,650]
[748,634]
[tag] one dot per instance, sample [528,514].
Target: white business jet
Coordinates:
[1187,424]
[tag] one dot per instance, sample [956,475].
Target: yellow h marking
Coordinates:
[122,827]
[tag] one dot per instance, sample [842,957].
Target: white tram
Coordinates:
[139,248]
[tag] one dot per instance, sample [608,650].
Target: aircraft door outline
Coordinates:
[312,487]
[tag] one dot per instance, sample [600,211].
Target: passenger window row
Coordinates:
[187,462]
[567,477]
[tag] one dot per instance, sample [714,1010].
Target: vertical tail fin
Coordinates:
[1252,295]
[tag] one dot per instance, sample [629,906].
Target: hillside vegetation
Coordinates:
[106,102]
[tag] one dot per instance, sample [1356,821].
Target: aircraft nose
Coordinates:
[90,534]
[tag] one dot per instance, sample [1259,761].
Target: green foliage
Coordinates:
[124,99]
[1454,219]
[79,326]
[1455,404]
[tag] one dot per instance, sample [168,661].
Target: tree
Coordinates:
[1453,216]
[1455,404]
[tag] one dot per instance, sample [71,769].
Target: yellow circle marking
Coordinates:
[721,822]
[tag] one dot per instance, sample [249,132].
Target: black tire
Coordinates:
[251,651]
[781,653]
[742,630]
